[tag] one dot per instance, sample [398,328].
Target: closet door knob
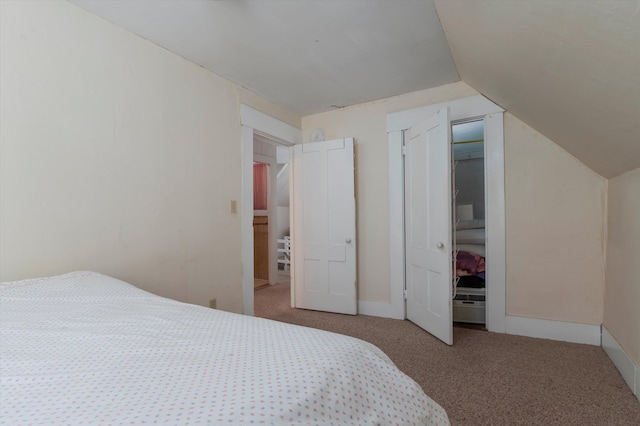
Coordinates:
[347,240]
[440,245]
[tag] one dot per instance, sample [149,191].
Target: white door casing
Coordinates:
[428,226]
[324,229]
[255,122]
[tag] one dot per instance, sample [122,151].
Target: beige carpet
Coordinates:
[485,378]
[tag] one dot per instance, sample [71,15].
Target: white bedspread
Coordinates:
[84,348]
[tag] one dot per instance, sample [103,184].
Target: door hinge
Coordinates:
[404,150]
[405,294]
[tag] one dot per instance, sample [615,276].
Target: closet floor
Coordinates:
[470,325]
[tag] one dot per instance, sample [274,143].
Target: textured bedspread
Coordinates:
[84,348]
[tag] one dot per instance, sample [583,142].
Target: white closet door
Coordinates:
[428,260]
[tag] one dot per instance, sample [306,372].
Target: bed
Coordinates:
[84,348]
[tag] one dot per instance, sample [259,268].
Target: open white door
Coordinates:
[428,226]
[324,227]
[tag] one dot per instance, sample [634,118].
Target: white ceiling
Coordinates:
[570,69]
[307,56]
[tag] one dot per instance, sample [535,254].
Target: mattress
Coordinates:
[84,348]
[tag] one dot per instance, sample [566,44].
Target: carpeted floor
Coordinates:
[485,378]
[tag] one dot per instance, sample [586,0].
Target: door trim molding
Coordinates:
[254,121]
[495,222]
[273,128]
[396,225]
[471,107]
[459,109]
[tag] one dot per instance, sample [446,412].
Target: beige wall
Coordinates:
[555,211]
[367,123]
[112,155]
[112,151]
[261,104]
[622,296]
[555,220]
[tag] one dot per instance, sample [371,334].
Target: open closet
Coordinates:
[469,237]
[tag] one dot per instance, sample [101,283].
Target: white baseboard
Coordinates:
[637,389]
[629,372]
[520,326]
[376,309]
[588,334]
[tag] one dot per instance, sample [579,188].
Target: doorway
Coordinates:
[253,123]
[469,210]
[480,108]
[270,209]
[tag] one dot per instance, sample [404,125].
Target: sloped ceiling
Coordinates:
[569,69]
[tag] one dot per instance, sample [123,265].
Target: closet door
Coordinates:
[428,258]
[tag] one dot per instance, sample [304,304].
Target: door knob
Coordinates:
[440,245]
[347,240]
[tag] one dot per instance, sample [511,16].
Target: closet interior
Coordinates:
[469,301]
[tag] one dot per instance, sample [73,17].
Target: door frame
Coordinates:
[460,109]
[254,121]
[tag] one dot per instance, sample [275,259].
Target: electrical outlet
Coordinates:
[212,303]
[234,206]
